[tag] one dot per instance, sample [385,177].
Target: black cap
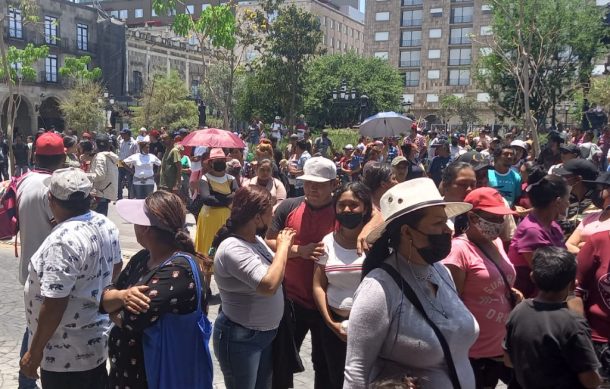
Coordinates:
[102,138]
[569,148]
[580,167]
[441,142]
[602,179]
[125,131]
[475,159]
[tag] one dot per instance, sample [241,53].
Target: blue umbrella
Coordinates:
[385,124]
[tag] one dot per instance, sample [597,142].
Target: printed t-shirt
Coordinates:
[508,184]
[311,226]
[484,293]
[549,345]
[76,261]
[593,284]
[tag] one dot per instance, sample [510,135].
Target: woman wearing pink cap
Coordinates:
[216,189]
[484,277]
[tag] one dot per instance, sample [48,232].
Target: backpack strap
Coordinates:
[412,297]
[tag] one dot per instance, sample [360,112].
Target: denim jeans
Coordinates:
[91,379]
[25,382]
[140,192]
[244,355]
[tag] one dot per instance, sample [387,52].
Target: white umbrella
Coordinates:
[385,124]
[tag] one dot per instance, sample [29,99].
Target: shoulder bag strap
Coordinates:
[509,290]
[412,297]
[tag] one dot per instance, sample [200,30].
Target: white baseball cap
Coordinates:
[65,182]
[319,169]
[348,147]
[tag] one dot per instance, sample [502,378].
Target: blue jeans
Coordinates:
[25,382]
[244,355]
[140,192]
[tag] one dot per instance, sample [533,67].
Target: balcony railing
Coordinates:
[406,3]
[459,40]
[461,19]
[459,81]
[50,78]
[410,42]
[411,22]
[410,64]
[459,61]
[412,83]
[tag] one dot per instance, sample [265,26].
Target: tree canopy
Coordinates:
[165,103]
[374,77]
[540,52]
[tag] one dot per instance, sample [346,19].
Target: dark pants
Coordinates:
[311,320]
[4,172]
[140,192]
[25,382]
[488,371]
[125,178]
[102,206]
[603,354]
[334,351]
[91,379]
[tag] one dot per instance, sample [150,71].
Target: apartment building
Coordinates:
[67,29]
[434,44]
[341,23]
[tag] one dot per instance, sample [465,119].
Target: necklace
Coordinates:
[427,278]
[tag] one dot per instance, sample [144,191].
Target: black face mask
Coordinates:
[219,166]
[597,200]
[438,249]
[350,220]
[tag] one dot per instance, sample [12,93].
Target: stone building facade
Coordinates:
[68,29]
[434,45]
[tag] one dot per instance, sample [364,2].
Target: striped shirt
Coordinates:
[343,268]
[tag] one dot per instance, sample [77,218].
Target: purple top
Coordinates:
[529,236]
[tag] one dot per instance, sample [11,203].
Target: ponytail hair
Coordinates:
[389,240]
[248,202]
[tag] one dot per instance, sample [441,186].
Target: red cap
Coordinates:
[154,133]
[86,135]
[488,200]
[50,143]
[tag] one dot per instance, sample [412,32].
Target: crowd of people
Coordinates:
[429,260]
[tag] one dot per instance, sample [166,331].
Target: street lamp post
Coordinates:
[347,97]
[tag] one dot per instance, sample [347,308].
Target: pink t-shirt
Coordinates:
[591,224]
[484,293]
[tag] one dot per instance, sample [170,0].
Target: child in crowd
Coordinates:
[548,345]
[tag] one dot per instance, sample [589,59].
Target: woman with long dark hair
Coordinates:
[161,282]
[249,276]
[337,273]
[406,317]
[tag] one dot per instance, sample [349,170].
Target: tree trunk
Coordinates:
[10,111]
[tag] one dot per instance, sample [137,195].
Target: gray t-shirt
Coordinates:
[401,342]
[239,267]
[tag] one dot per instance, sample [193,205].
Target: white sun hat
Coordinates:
[410,196]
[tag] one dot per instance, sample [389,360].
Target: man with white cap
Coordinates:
[277,129]
[68,335]
[312,217]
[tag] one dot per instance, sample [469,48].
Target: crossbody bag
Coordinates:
[412,297]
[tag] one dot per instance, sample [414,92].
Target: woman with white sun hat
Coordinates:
[422,328]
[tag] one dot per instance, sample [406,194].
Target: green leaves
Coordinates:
[83,109]
[21,62]
[371,76]
[215,24]
[76,70]
[164,103]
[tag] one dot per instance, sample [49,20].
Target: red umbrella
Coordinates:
[213,137]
